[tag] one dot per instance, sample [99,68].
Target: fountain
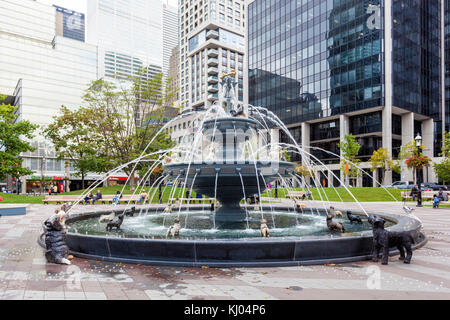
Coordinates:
[231,159]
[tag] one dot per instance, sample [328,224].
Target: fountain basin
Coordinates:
[255,252]
[235,181]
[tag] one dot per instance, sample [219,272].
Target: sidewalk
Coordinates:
[24,273]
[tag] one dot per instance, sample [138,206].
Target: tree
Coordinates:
[381,159]
[13,135]
[350,149]
[409,153]
[408,150]
[443,168]
[74,139]
[304,171]
[446,145]
[127,119]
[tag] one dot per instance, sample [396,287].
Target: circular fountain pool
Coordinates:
[198,225]
[296,239]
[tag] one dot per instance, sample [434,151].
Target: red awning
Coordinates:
[119,178]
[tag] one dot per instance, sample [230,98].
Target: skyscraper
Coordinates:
[128,34]
[211,43]
[373,67]
[43,67]
[170,34]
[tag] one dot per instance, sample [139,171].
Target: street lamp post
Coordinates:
[276,188]
[418,140]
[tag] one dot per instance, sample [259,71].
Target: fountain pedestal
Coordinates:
[229,178]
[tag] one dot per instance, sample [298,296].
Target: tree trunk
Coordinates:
[132,181]
[82,180]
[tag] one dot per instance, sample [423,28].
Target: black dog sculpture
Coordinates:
[383,239]
[353,218]
[131,212]
[116,223]
[334,226]
[57,250]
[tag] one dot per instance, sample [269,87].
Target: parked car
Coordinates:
[433,186]
[402,185]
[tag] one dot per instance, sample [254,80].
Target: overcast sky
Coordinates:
[80,5]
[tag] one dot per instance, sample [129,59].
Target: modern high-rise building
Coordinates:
[174,76]
[170,34]
[446,68]
[128,34]
[371,68]
[211,43]
[43,67]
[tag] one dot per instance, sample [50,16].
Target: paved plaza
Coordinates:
[25,274]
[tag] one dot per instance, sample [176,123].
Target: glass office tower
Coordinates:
[128,34]
[371,68]
[447,64]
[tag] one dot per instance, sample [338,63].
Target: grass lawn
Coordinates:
[362,194]
[14,198]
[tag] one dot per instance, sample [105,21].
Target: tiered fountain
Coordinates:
[230,160]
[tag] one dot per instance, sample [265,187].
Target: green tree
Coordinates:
[13,135]
[128,118]
[409,150]
[350,149]
[74,139]
[381,159]
[443,168]
[446,145]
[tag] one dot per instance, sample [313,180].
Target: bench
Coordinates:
[74,198]
[193,200]
[426,195]
[296,194]
[60,199]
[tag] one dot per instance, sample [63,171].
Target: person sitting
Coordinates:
[97,196]
[199,196]
[143,197]
[88,198]
[307,194]
[436,201]
[443,196]
[414,192]
[117,197]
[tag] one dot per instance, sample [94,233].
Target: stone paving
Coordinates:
[25,274]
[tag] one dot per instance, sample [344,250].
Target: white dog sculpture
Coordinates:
[174,230]
[265,232]
[335,213]
[107,218]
